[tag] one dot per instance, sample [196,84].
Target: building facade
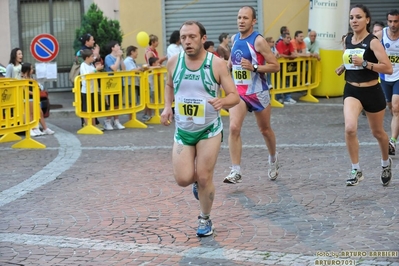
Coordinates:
[22,20]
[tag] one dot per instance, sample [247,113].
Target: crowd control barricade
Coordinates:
[223,112]
[300,74]
[18,114]
[103,91]
[154,95]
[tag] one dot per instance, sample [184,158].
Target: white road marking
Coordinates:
[186,252]
[69,152]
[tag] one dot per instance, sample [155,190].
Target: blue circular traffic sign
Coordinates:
[44,47]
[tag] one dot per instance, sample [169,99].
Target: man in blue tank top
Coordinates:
[194,78]
[250,60]
[389,37]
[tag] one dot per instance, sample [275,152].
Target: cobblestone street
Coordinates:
[111,199]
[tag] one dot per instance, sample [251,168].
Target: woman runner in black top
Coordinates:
[364,57]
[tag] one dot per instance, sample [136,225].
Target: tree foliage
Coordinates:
[103,29]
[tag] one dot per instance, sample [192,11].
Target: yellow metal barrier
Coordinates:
[156,77]
[106,87]
[155,80]
[15,112]
[300,74]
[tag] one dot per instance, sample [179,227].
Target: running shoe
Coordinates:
[205,227]
[392,147]
[195,190]
[355,177]
[273,169]
[386,174]
[233,178]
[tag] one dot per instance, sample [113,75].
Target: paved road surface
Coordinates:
[112,199]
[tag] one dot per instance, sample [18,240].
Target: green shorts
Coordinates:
[192,138]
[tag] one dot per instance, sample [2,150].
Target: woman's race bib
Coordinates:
[192,109]
[347,57]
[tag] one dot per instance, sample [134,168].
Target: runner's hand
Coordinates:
[167,116]
[246,64]
[217,103]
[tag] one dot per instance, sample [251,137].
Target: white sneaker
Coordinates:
[273,169]
[233,178]
[33,133]
[289,101]
[280,100]
[38,132]
[48,131]
[107,125]
[118,125]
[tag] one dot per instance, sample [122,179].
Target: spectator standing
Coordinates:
[210,47]
[88,42]
[174,46]
[87,67]
[286,49]
[312,45]
[299,45]
[153,62]
[130,65]
[223,49]
[151,50]
[13,69]
[364,57]
[272,46]
[283,29]
[113,63]
[27,73]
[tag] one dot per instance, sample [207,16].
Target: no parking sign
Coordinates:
[44,47]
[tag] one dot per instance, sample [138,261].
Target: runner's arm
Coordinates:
[222,74]
[272,65]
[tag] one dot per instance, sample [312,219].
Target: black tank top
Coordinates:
[363,74]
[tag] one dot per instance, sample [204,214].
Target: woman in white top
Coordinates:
[13,69]
[175,46]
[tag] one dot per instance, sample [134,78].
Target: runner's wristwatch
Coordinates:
[255,66]
[364,64]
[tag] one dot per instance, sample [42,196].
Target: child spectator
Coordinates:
[113,63]
[130,64]
[87,67]
[27,73]
[153,62]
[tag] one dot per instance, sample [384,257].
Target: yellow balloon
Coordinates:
[142,38]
